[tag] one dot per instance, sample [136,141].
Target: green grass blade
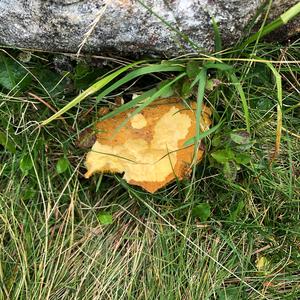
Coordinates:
[148,101]
[139,72]
[280,21]
[91,90]
[209,65]
[218,41]
[129,105]
[201,80]
[218,66]
[240,90]
[202,135]
[200,97]
[279,108]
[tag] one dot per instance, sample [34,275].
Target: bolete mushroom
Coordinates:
[149,149]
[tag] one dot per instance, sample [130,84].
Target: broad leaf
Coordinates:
[105,218]
[202,211]
[26,164]
[242,158]
[240,137]
[62,165]
[7,143]
[13,74]
[223,156]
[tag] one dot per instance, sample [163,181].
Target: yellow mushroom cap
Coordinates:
[149,149]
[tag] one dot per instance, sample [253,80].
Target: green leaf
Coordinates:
[244,147]
[105,218]
[81,70]
[263,105]
[202,211]
[230,170]
[85,75]
[192,69]
[223,156]
[209,85]
[240,137]
[260,74]
[242,158]
[62,165]
[263,265]
[186,90]
[49,80]
[12,74]
[217,141]
[26,164]
[6,143]
[218,41]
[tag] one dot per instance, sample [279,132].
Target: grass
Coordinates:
[232,232]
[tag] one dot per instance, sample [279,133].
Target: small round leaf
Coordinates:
[62,165]
[26,164]
[202,211]
[105,218]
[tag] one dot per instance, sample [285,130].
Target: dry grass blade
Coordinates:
[97,19]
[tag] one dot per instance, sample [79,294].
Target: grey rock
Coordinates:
[125,27]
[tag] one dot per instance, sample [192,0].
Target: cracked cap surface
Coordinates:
[149,149]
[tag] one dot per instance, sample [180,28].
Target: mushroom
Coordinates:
[149,149]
